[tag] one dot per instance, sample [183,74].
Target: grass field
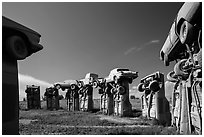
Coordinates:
[65,122]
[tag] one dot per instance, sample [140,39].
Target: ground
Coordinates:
[65,122]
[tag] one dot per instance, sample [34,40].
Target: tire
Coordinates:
[80,84]
[73,86]
[186,33]
[140,87]
[154,86]
[178,69]
[171,76]
[199,57]
[16,47]
[95,84]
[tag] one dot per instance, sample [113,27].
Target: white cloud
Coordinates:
[128,51]
[30,80]
[139,48]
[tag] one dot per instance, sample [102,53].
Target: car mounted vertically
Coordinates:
[18,42]
[186,76]
[153,101]
[185,29]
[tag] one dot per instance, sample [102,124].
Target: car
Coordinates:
[20,41]
[88,80]
[71,84]
[118,74]
[172,48]
[151,82]
[186,29]
[154,104]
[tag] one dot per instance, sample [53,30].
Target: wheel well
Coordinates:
[178,26]
[7,32]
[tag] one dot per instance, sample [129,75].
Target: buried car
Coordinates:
[185,29]
[118,74]
[153,102]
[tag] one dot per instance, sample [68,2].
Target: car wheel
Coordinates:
[95,84]
[140,87]
[73,86]
[178,69]
[171,76]
[154,86]
[186,33]
[199,57]
[80,84]
[16,47]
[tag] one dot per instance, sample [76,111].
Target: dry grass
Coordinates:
[43,121]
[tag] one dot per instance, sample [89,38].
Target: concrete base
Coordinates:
[10,96]
[122,103]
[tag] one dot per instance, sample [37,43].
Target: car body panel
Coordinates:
[121,73]
[172,46]
[89,79]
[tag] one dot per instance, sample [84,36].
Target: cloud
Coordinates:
[30,80]
[139,48]
[128,51]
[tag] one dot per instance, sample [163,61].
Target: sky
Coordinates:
[97,37]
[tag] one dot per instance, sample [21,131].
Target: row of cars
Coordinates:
[94,80]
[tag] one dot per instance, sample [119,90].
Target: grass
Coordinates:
[63,122]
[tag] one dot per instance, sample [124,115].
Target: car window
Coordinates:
[122,69]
